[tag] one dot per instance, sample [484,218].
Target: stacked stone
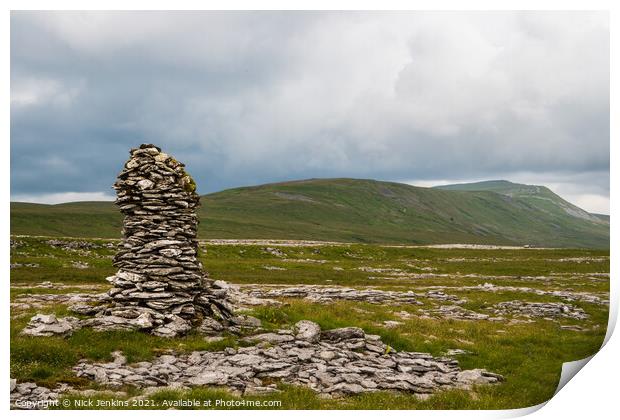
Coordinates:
[159,273]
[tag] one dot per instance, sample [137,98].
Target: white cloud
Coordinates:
[28,91]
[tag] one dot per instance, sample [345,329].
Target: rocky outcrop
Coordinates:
[333,362]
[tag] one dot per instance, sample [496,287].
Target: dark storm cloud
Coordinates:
[246,98]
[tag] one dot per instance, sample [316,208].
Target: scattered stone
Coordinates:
[20,265]
[456,312]
[571,328]
[42,325]
[75,245]
[444,297]
[340,334]
[391,324]
[272,338]
[566,295]
[240,299]
[456,352]
[275,252]
[254,391]
[213,339]
[322,294]
[477,377]
[17,244]
[403,314]
[334,366]
[79,265]
[551,310]
[246,321]
[40,301]
[30,396]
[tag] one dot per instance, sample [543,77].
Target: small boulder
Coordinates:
[307,331]
[478,377]
[255,391]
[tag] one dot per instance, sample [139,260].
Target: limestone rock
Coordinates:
[339,334]
[272,337]
[551,310]
[209,378]
[246,321]
[324,294]
[478,377]
[327,367]
[30,396]
[48,325]
[307,331]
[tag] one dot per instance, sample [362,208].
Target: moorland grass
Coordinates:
[529,355]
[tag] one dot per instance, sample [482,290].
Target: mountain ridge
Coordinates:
[356,210]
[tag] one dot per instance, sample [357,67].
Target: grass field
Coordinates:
[529,355]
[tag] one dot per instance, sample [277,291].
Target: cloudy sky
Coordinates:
[247,98]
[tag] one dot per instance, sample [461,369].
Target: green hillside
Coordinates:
[537,196]
[354,210]
[100,219]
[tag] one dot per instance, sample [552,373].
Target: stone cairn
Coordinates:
[160,283]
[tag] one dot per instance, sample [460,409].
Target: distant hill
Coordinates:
[355,210]
[538,196]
